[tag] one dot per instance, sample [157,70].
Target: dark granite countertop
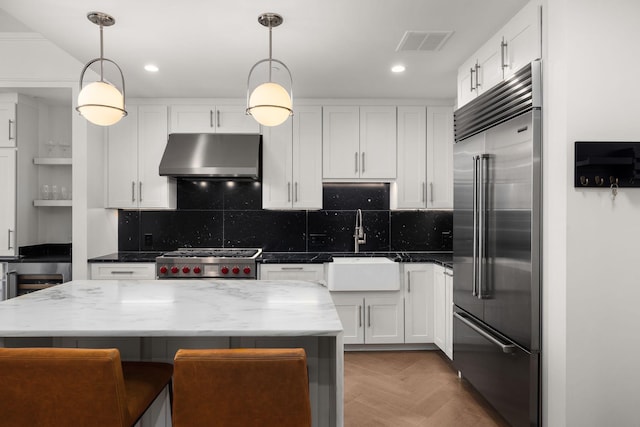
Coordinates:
[442,258]
[294,258]
[128,257]
[47,252]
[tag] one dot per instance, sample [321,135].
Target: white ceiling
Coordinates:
[205,48]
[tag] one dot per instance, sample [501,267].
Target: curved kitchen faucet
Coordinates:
[359,236]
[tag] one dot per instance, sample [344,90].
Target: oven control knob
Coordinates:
[185,270]
[196,270]
[224,270]
[247,270]
[235,270]
[163,270]
[174,269]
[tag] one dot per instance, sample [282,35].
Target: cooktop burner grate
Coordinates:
[218,253]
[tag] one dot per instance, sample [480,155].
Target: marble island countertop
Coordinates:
[184,308]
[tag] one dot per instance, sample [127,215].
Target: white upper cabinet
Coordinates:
[8,124]
[378,133]
[307,158]
[411,183]
[154,190]
[122,161]
[341,142]
[515,45]
[359,142]
[488,65]
[425,158]
[277,169]
[292,166]
[440,157]
[8,206]
[135,147]
[522,39]
[211,119]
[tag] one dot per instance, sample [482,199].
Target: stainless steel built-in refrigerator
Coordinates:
[496,245]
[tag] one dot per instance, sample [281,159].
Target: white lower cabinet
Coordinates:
[310,272]
[8,206]
[125,270]
[443,309]
[418,288]
[371,317]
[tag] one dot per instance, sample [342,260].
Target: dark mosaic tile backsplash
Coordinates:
[229,214]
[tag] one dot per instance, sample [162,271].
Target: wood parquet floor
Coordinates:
[410,388]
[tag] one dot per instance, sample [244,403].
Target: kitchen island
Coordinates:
[151,319]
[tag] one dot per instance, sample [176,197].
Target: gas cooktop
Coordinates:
[193,263]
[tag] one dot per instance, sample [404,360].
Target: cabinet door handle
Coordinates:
[503,54]
[210,118]
[431,192]
[218,117]
[423,191]
[409,282]
[477,76]
[9,241]
[289,191]
[356,162]
[471,71]
[369,318]
[360,316]
[10,123]
[140,190]
[295,193]
[363,162]
[133,191]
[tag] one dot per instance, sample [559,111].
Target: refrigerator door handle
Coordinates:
[506,348]
[474,257]
[481,224]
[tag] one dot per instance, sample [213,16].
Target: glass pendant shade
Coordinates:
[101,103]
[270,104]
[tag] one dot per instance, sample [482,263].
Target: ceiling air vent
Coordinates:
[423,41]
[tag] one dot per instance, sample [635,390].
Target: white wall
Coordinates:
[591,260]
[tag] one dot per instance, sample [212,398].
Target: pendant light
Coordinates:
[269,103]
[100,102]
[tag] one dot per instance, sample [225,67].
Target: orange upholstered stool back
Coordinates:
[241,387]
[61,387]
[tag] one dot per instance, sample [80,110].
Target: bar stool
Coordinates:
[241,387]
[62,387]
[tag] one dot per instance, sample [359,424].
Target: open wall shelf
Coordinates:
[604,164]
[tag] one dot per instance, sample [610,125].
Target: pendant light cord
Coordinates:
[101,54]
[270,36]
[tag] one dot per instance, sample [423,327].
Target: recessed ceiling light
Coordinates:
[398,68]
[151,68]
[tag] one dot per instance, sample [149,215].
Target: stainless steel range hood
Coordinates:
[212,155]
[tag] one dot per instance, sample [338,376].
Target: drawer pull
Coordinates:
[122,272]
